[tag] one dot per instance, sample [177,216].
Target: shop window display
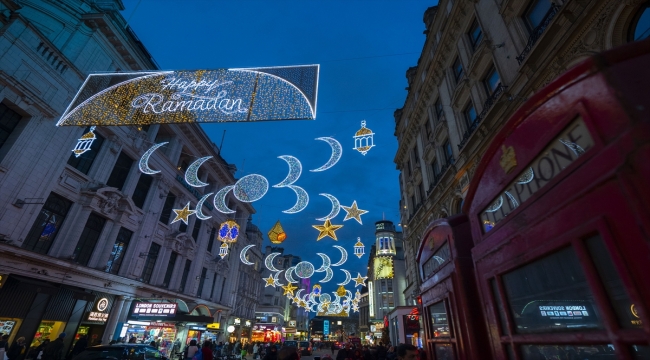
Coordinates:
[47,330]
[8,325]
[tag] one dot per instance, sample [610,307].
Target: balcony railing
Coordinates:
[486,107]
[538,31]
[437,177]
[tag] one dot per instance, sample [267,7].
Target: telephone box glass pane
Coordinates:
[551,294]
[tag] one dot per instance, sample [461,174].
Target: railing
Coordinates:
[438,177]
[486,107]
[538,31]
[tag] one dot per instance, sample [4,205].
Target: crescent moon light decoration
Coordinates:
[301,203]
[242,255]
[295,169]
[336,207]
[251,188]
[329,274]
[199,207]
[288,276]
[269,262]
[191,174]
[275,278]
[326,262]
[348,278]
[337,152]
[344,256]
[144,160]
[219,200]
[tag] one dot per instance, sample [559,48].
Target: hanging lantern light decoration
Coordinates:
[228,232]
[359,248]
[223,250]
[363,139]
[277,234]
[85,142]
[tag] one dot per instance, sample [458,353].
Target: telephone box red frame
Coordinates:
[606,191]
[453,284]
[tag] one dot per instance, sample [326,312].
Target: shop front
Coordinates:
[267,333]
[39,311]
[559,208]
[167,323]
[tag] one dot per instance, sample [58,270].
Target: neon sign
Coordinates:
[222,95]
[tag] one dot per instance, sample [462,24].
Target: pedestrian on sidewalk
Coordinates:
[54,350]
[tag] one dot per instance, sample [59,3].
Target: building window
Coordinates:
[47,224]
[85,160]
[435,168]
[416,157]
[142,190]
[9,119]
[449,154]
[458,69]
[214,282]
[475,34]
[120,171]
[213,234]
[186,273]
[641,28]
[196,230]
[150,263]
[204,274]
[275,301]
[166,212]
[422,193]
[89,236]
[170,269]
[469,114]
[536,13]
[119,248]
[439,111]
[491,81]
[428,128]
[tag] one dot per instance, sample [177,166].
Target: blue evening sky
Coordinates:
[364,49]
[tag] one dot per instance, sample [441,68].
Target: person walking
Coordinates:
[206,350]
[79,346]
[190,350]
[271,354]
[4,346]
[17,349]
[54,350]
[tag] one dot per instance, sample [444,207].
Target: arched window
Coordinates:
[641,25]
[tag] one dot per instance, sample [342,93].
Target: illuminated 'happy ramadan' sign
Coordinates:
[222,95]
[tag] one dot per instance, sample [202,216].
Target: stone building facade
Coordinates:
[481,60]
[77,229]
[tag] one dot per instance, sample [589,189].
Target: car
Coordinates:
[290,343]
[120,352]
[305,348]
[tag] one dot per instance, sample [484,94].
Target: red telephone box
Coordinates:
[454,325]
[559,209]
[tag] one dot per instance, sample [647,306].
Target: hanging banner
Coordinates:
[173,97]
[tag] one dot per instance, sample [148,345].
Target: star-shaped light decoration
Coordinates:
[289,289]
[360,280]
[327,229]
[353,212]
[303,304]
[183,214]
[270,281]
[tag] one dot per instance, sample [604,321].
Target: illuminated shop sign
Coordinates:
[371,300]
[214,326]
[247,323]
[97,316]
[222,95]
[326,327]
[566,148]
[292,323]
[144,309]
[237,321]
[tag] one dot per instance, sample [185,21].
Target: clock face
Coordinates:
[383,267]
